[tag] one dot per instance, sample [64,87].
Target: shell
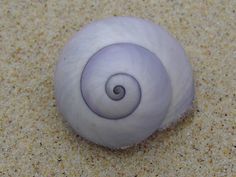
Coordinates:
[120,79]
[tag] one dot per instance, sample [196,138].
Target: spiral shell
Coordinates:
[120,79]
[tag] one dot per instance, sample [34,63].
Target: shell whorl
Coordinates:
[114,78]
[120,79]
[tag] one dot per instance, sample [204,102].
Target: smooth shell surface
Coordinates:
[120,79]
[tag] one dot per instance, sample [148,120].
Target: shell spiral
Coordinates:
[113,83]
[120,79]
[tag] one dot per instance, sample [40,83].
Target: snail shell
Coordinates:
[120,79]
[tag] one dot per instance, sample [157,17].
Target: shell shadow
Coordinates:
[151,142]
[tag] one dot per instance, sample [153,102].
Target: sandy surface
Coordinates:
[34,141]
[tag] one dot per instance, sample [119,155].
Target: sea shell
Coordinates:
[120,79]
